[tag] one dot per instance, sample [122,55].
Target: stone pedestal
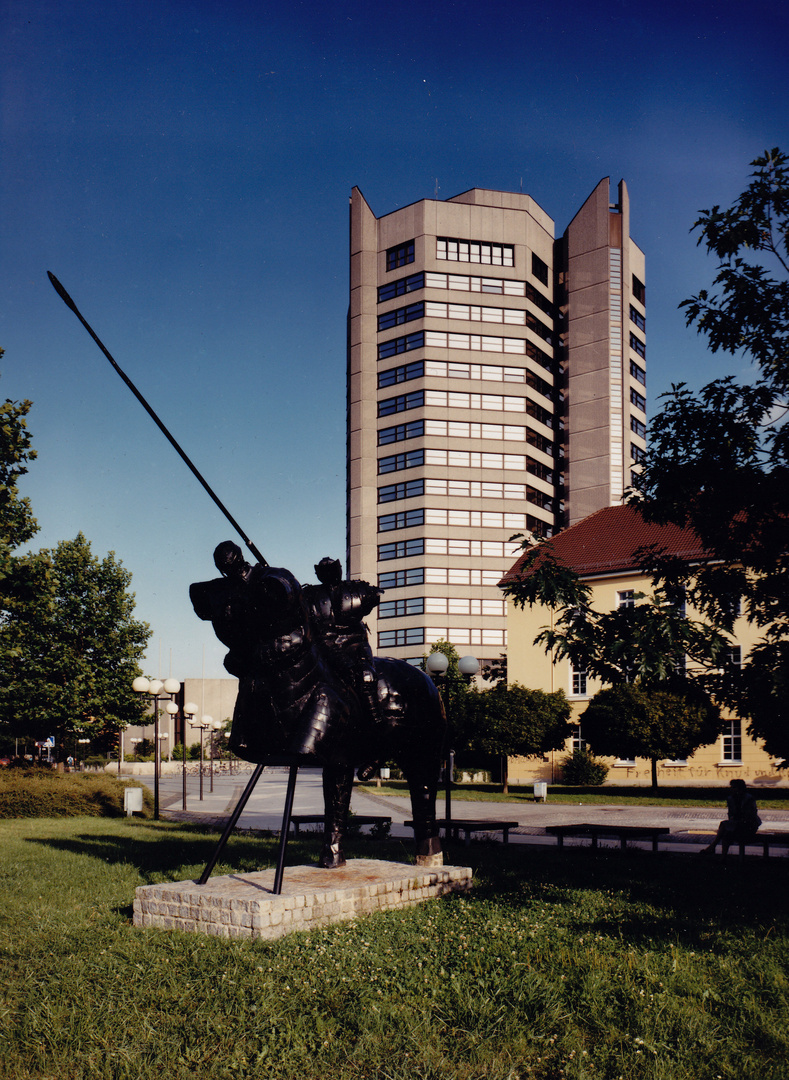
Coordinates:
[244,906]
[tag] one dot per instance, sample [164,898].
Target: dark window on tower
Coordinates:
[639,291]
[400,255]
[400,287]
[539,268]
[401,432]
[638,346]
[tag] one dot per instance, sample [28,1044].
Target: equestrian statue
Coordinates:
[311,692]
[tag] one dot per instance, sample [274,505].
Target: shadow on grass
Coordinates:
[664,891]
[180,851]
[170,851]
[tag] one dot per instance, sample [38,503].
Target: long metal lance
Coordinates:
[64,296]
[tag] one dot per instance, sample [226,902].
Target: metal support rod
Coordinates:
[64,296]
[242,802]
[283,839]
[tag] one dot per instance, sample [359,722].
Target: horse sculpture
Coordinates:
[304,697]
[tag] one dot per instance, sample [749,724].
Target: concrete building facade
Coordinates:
[496,386]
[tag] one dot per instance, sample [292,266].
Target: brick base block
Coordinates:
[244,905]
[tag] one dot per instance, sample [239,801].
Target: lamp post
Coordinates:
[205,722]
[215,726]
[155,689]
[190,711]
[437,664]
[82,742]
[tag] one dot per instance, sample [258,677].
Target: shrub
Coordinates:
[28,793]
[96,761]
[581,769]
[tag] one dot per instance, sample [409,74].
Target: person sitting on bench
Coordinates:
[742,822]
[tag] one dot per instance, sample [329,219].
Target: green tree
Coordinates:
[71,647]
[718,460]
[17,524]
[512,720]
[636,721]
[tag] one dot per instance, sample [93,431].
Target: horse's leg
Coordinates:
[422,777]
[337,788]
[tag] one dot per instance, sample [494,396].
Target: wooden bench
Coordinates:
[453,828]
[297,820]
[623,833]
[766,840]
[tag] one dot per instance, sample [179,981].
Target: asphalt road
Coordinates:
[690,828]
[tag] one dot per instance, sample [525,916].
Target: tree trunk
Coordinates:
[654,773]
[505,761]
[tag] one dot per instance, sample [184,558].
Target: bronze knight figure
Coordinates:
[311,692]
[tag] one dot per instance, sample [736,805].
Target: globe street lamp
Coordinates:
[190,711]
[437,664]
[155,689]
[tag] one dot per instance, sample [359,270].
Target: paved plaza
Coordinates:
[690,828]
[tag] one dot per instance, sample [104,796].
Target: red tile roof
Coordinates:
[607,542]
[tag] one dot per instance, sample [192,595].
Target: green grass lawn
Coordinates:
[557,966]
[777,798]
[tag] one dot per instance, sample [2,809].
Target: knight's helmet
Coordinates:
[229,560]
[329,572]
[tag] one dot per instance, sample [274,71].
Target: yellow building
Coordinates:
[601,549]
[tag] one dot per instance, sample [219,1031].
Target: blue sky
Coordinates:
[184,169]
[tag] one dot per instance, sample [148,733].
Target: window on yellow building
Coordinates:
[731,741]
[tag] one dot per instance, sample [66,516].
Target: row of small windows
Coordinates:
[401,287]
[638,427]
[474,251]
[638,373]
[401,403]
[468,459]
[394,492]
[401,345]
[638,346]
[416,635]
[637,454]
[401,549]
[400,255]
[460,489]
[437,575]
[401,315]
[639,291]
[637,318]
[465,283]
[439,339]
[433,309]
[449,369]
[391,609]
[412,635]
[400,579]
[480,519]
[401,432]
[638,400]
[435,605]
[462,429]
[459,547]
[454,399]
